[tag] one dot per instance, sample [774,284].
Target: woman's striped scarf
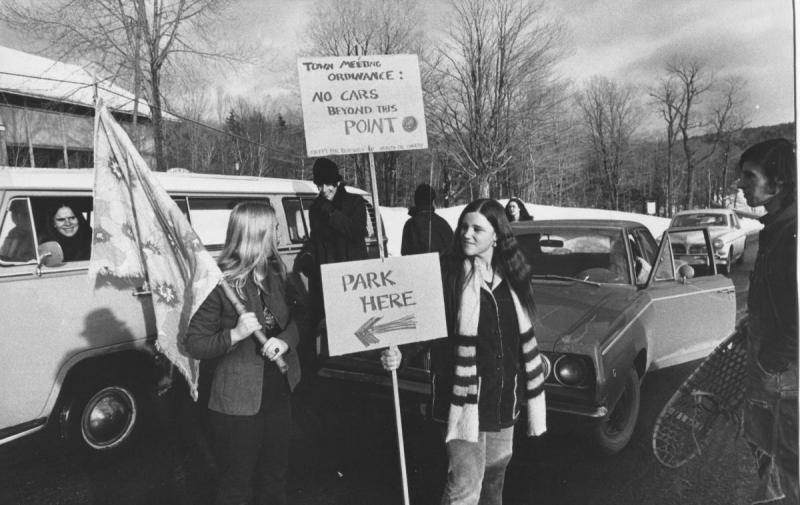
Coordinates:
[463,423]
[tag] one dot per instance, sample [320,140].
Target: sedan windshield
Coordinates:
[699,220]
[597,255]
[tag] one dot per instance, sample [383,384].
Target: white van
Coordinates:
[81,360]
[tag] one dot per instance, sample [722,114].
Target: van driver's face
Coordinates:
[66,222]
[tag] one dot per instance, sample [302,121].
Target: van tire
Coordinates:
[101,417]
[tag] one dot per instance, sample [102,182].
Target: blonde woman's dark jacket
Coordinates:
[239,372]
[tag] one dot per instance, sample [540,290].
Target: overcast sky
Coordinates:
[621,39]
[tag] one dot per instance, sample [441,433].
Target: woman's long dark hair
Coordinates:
[507,257]
[524,215]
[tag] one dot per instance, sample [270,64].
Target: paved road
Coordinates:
[344,452]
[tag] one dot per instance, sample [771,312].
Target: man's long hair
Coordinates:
[776,158]
[251,246]
[507,257]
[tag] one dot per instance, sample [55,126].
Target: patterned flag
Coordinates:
[140,233]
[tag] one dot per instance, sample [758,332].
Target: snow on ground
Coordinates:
[395,217]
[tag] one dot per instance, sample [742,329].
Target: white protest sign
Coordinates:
[354,104]
[372,304]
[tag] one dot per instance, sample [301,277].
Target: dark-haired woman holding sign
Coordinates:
[489,352]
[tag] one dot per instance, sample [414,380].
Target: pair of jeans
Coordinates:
[771,427]
[477,470]
[252,452]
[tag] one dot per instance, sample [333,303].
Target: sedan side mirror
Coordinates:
[685,272]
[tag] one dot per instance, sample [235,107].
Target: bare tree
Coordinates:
[498,53]
[669,102]
[134,41]
[728,119]
[362,27]
[610,119]
[694,82]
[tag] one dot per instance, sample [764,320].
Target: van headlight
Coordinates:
[718,244]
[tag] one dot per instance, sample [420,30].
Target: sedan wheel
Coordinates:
[613,432]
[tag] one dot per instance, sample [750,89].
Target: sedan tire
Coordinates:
[613,432]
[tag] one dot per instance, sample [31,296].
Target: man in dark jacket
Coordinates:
[426,231]
[768,178]
[338,227]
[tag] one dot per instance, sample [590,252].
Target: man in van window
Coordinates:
[18,245]
[338,227]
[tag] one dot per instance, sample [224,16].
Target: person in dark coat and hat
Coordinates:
[338,227]
[425,231]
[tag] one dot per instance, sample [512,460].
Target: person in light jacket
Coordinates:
[249,401]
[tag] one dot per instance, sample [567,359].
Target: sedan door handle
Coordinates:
[728,290]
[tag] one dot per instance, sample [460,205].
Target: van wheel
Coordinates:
[612,433]
[101,418]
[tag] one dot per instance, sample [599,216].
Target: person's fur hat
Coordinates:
[424,196]
[326,172]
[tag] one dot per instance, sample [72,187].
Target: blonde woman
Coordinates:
[249,406]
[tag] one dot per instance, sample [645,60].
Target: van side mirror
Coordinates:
[50,254]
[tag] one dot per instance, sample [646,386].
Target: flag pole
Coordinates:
[241,309]
[395,389]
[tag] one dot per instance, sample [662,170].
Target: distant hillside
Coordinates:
[750,136]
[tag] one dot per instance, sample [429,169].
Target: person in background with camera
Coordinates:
[338,222]
[768,175]
[249,411]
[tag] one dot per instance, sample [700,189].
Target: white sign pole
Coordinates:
[395,389]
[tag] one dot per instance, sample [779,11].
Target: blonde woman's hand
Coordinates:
[274,348]
[391,358]
[247,324]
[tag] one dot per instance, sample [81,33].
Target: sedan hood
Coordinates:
[577,317]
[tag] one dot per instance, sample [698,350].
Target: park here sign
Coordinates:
[358,104]
[375,303]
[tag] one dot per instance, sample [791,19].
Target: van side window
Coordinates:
[180,201]
[65,220]
[297,221]
[209,218]
[17,244]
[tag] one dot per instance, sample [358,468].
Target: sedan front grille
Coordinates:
[697,249]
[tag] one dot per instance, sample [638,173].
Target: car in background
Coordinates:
[612,305]
[727,237]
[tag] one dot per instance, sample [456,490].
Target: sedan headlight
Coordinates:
[571,371]
[718,244]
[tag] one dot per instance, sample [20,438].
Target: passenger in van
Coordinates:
[18,245]
[249,410]
[71,231]
[338,228]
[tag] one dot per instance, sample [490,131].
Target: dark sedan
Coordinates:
[611,305]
